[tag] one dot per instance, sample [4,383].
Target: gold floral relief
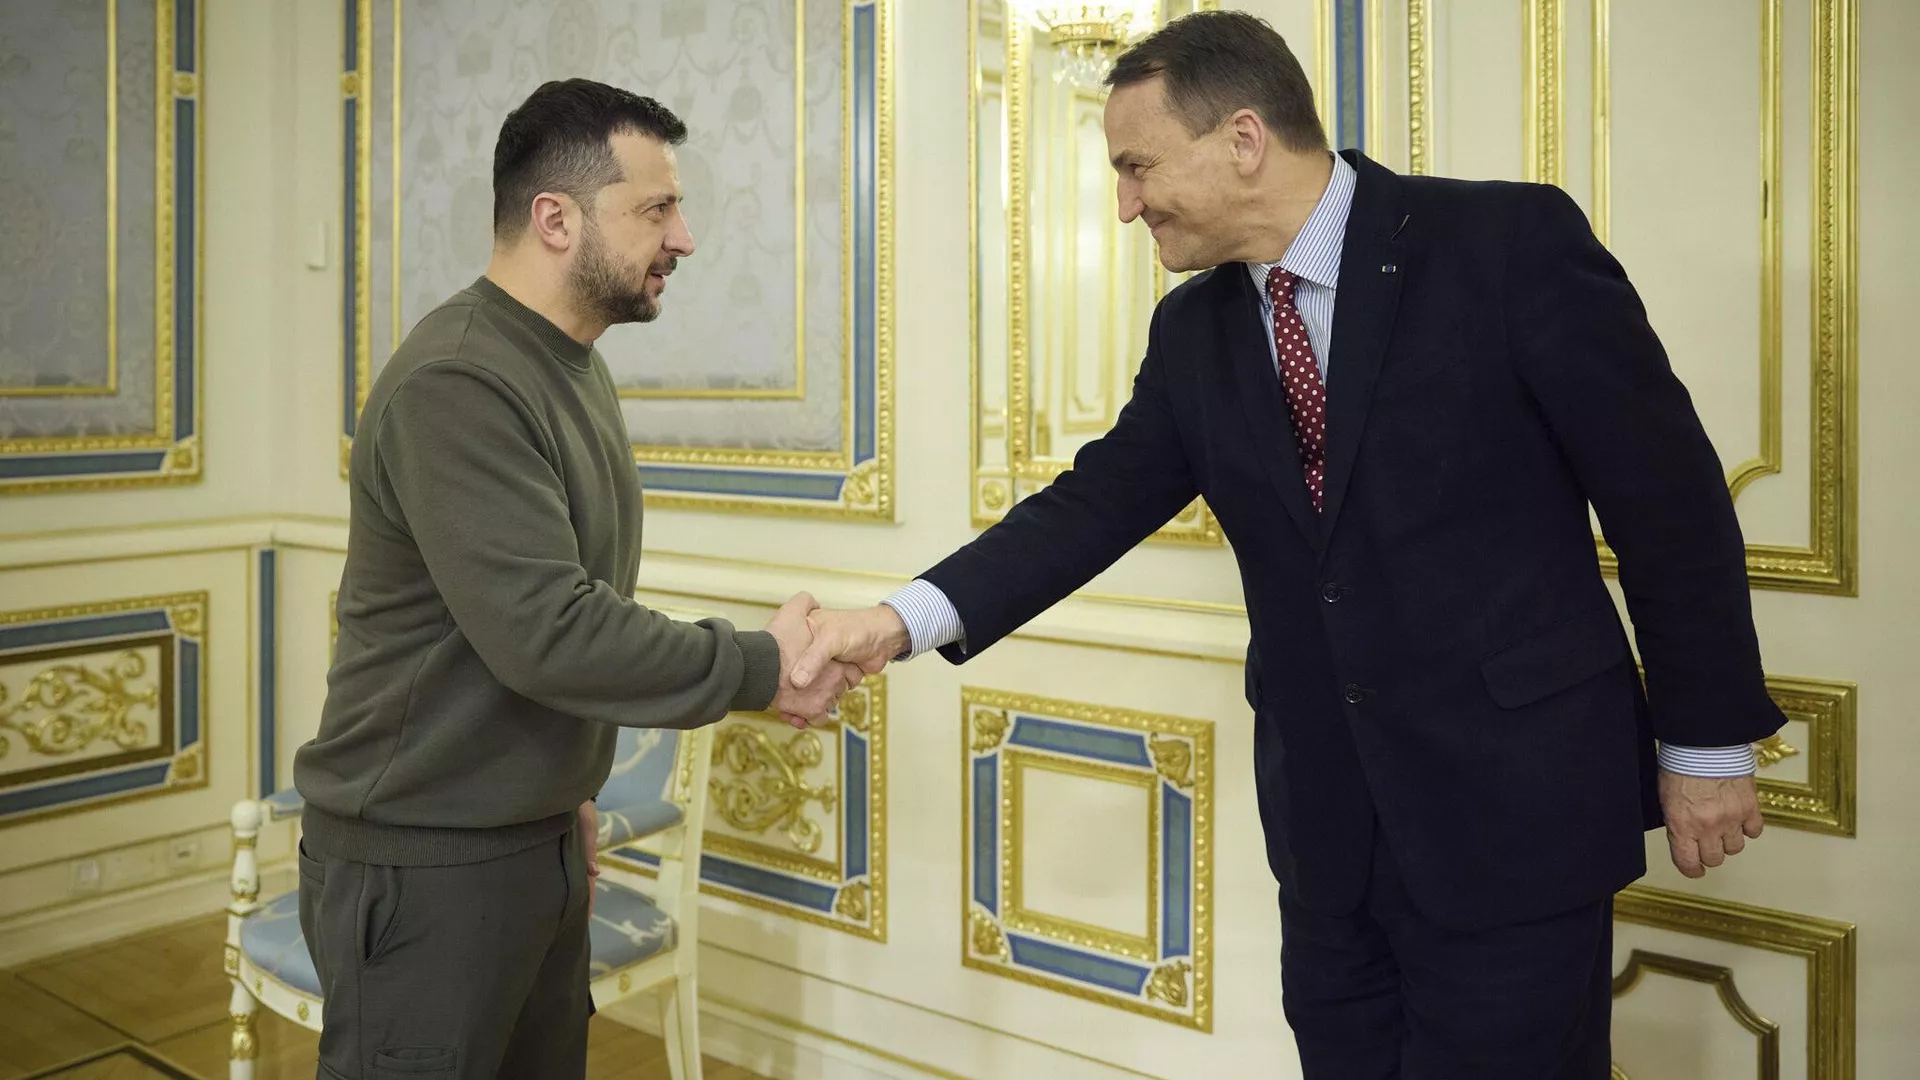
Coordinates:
[1173,759]
[66,708]
[1773,750]
[852,711]
[1168,983]
[986,937]
[768,788]
[852,902]
[989,728]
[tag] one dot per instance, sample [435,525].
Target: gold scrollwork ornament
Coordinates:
[82,705]
[776,799]
[1773,750]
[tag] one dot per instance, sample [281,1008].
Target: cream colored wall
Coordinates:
[164,856]
[795,998]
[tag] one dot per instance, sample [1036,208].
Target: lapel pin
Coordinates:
[1390,268]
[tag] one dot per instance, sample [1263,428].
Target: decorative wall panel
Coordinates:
[1063,293]
[1785,983]
[1807,771]
[99,250]
[1812,181]
[1132,928]
[100,703]
[766,383]
[797,820]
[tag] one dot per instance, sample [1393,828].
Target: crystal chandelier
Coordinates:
[1086,36]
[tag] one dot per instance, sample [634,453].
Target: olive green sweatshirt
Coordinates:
[489,640]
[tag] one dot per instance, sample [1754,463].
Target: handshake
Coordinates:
[824,654]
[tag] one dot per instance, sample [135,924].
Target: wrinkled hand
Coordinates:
[867,638]
[801,703]
[1708,819]
[590,840]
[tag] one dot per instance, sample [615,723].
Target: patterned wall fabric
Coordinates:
[727,68]
[76,310]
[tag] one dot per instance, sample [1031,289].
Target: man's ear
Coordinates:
[1247,141]
[555,220]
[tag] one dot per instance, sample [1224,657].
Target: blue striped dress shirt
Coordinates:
[1313,258]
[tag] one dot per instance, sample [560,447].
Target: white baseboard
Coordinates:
[790,1026]
[771,1051]
[89,922]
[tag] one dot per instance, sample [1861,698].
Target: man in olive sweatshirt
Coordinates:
[489,639]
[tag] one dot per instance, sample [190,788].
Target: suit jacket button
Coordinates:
[1355,694]
[1330,593]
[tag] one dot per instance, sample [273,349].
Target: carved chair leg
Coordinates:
[244,1048]
[680,1027]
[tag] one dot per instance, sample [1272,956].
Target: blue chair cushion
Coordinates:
[270,938]
[284,804]
[626,929]
[625,824]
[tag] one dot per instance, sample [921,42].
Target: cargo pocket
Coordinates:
[412,1061]
[1555,658]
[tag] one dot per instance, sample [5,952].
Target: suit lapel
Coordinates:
[1372,266]
[1270,429]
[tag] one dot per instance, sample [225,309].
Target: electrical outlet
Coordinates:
[183,853]
[86,875]
[133,866]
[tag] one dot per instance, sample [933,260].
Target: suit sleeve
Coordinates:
[1122,487]
[1587,354]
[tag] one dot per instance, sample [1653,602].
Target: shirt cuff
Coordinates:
[1714,762]
[931,619]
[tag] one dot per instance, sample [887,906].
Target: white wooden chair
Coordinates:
[640,944]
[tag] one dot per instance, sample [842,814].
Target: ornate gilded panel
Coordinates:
[766,385]
[1062,292]
[99,252]
[1765,1032]
[1037,772]
[1806,772]
[1814,1007]
[1823,174]
[796,820]
[101,703]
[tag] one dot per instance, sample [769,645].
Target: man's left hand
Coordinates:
[1708,819]
[590,840]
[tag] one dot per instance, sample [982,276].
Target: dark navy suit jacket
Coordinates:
[1435,659]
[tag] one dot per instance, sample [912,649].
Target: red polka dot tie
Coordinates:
[1300,375]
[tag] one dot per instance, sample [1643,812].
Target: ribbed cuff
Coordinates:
[760,680]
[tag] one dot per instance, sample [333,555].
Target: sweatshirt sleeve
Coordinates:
[466,472]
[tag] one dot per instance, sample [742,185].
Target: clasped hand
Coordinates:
[824,654]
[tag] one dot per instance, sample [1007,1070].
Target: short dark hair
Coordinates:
[1219,62]
[557,141]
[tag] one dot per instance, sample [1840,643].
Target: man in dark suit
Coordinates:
[1399,395]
